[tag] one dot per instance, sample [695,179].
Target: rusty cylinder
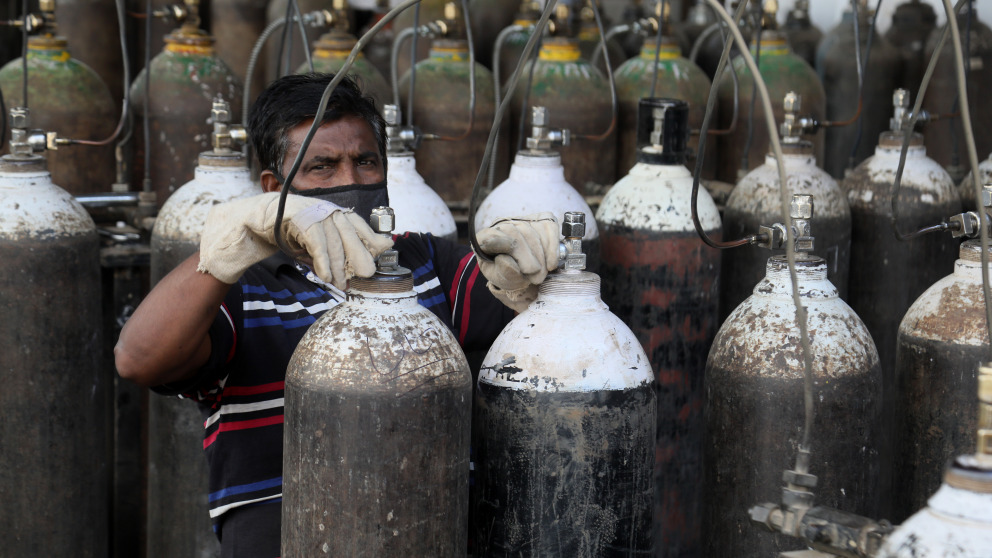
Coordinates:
[838,70]
[564,430]
[912,23]
[942,339]
[945,137]
[678,78]
[755,412]
[661,280]
[441,100]
[756,201]
[69,98]
[55,466]
[887,274]
[378,411]
[577,97]
[186,77]
[783,72]
[179,520]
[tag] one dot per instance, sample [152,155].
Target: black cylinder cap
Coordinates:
[673,145]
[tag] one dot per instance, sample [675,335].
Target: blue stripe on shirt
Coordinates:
[283,294]
[432,301]
[244,488]
[276,320]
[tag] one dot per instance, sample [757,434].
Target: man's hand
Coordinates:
[525,250]
[241,233]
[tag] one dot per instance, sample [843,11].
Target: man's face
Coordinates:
[342,153]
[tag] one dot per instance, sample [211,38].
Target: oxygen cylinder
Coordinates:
[946,138]
[590,40]
[67,97]
[676,78]
[755,412]
[186,77]
[956,522]
[966,187]
[442,106]
[281,58]
[91,27]
[329,55]
[783,72]
[888,274]
[377,426]
[942,339]
[661,280]
[236,25]
[578,98]
[179,520]
[513,45]
[537,183]
[757,200]
[421,209]
[564,427]
[55,467]
[803,36]
[838,70]
[912,23]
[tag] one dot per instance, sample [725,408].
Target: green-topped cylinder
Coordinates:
[67,97]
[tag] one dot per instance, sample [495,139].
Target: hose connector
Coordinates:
[793,126]
[573,228]
[543,138]
[226,137]
[399,138]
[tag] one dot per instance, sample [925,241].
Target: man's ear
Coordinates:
[269,181]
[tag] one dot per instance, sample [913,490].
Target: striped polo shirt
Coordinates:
[263,318]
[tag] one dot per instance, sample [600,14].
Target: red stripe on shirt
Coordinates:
[463,330]
[253,390]
[458,278]
[241,425]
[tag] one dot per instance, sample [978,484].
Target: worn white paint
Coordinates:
[763,328]
[567,341]
[957,523]
[921,173]
[759,191]
[418,207]
[956,299]
[657,198]
[536,183]
[32,206]
[182,216]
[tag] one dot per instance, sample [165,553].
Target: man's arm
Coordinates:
[167,338]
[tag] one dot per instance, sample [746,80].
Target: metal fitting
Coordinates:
[542,137]
[801,212]
[399,139]
[23,141]
[659,125]
[793,126]
[964,225]
[771,237]
[173,13]
[383,221]
[573,228]
[805,480]
[225,137]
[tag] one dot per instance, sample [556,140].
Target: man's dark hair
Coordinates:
[293,99]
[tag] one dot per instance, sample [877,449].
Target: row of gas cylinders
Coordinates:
[189,74]
[721,418]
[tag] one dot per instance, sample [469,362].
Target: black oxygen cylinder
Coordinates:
[564,430]
[55,462]
[377,426]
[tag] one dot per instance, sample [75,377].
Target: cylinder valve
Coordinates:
[542,137]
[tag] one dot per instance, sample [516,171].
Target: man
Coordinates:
[233,360]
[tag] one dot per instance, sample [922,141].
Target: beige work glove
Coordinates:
[525,250]
[336,243]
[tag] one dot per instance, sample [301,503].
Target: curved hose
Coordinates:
[497,47]
[613,32]
[298,16]
[24,56]
[609,75]
[471,80]
[802,462]
[125,108]
[394,61]
[701,40]
[256,51]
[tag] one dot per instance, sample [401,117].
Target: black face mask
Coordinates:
[362,198]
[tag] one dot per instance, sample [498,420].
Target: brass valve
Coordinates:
[775,236]
[794,126]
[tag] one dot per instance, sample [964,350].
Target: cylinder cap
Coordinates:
[662,131]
